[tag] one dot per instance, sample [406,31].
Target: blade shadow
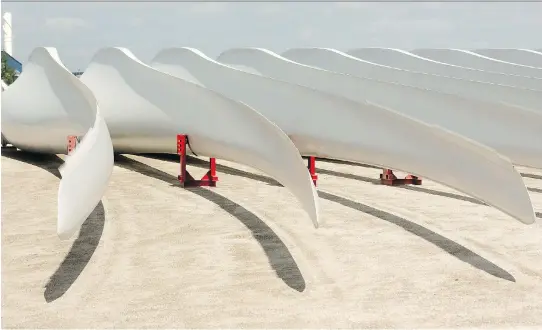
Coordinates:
[346,162]
[229,170]
[79,255]
[278,255]
[531,176]
[87,241]
[447,245]
[47,162]
[407,187]
[219,167]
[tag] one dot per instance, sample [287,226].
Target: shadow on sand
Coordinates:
[219,167]
[346,162]
[447,245]
[412,188]
[86,243]
[229,170]
[452,248]
[531,176]
[278,255]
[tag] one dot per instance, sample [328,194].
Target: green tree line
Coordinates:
[8,74]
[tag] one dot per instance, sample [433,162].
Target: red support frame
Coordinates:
[185,179]
[72,143]
[311,165]
[388,178]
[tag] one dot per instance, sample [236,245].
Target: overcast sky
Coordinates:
[78,29]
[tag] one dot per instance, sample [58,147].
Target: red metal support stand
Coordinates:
[72,143]
[185,179]
[312,168]
[388,178]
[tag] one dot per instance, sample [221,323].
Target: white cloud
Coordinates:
[66,24]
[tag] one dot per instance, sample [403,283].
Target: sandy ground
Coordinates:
[244,254]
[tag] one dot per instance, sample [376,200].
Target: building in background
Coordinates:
[7,45]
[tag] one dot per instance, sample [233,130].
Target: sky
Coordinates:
[79,29]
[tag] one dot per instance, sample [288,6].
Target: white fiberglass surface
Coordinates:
[89,165]
[402,59]
[472,60]
[518,56]
[145,109]
[59,106]
[499,126]
[337,61]
[440,164]
[44,106]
